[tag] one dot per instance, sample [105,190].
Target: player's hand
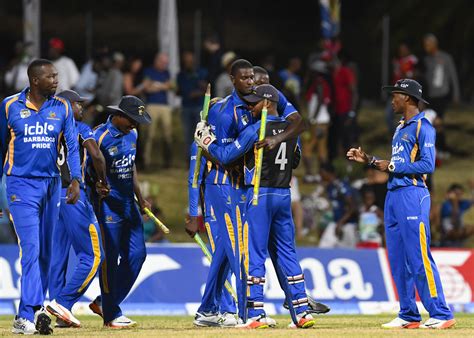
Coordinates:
[204,136]
[269,143]
[357,155]
[102,188]
[73,192]
[144,204]
[382,165]
[191,225]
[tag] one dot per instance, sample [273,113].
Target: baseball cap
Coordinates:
[71,95]
[407,86]
[264,91]
[56,43]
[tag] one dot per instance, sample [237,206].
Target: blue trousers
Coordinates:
[122,234]
[269,229]
[407,230]
[225,259]
[34,207]
[77,227]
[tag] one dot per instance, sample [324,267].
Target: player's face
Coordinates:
[77,108]
[47,80]
[124,123]
[260,79]
[398,102]
[243,81]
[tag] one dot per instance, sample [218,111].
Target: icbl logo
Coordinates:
[125,161]
[397,148]
[38,129]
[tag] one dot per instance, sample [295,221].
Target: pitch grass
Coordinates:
[326,326]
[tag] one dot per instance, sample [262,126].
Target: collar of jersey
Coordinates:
[22,97]
[415,118]
[238,102]
[114,131]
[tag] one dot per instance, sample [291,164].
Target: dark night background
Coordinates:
[256,28]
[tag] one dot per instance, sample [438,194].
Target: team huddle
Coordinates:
[70,186]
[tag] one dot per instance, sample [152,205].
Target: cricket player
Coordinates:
[269,226]
[226,308]
[32,124]
[407,211]
[77,226]
[227,117]
[119,217]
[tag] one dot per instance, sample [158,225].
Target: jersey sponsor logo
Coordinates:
[38,129]
[52,116]
[24,113]
[397,159]
[411,218]
[397,148]
[123,167]
[227,140]
[237,144]
[429,145]
[113,150]
[405,137]
[37,135]
[244,119]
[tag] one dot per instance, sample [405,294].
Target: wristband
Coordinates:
[372,162]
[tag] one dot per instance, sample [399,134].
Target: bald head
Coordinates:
[43,77]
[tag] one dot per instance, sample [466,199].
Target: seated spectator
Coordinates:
[454,232]
[370,221]
[343,231]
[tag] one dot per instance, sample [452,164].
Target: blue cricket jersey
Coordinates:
[413,152]
[277,163]
[227,118]
[284,107]
[119,151]
[30,138]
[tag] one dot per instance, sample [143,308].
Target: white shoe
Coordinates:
[399,323]
[207,319]
[43,322]
[305,321]
[228,319]
[434,323]
[258,322]
[121,322]
[270,321]
[61,312]
[23,326]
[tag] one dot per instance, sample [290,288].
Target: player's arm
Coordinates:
[98,162]
[3,135]
[227,154]
[143,203]
[426,163]
[191,223]
[295,128]
[70,135]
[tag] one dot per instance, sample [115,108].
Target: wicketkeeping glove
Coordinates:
[204,135]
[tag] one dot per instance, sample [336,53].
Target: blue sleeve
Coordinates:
[85,131]
[224,126]
[226,154]
[70,134]
[426,162]
[193,193]
[284,107]
[3,136]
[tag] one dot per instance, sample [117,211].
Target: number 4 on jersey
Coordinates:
[281,156]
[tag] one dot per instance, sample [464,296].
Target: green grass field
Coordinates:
[326,326]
